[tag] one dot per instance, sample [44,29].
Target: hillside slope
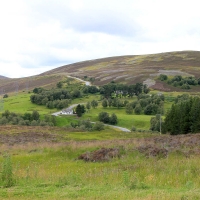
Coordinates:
[132,69]
[28,83]
[3,77]
[124,69]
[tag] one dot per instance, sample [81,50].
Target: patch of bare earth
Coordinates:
[158,146]
[103,154]
[160,86]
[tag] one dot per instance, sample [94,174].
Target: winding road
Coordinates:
[74,105]
[86,82]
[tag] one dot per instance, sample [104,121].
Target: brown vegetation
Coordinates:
[103,154]
[32,138]
[123,69]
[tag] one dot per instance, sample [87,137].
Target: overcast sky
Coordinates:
[39,35]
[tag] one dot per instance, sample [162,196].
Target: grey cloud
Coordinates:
[87,20]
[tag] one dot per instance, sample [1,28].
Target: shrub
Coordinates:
[113,119]
[3,121]
[98,126]
[129,108]
[133,129]
[105,103]
[94,103]
[5,96]
[34,123]
[163,77]
[138,109]
[104,117]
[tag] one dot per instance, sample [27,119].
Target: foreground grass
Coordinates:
[50,170]
[55,174]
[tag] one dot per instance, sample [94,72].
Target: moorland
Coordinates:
[73,158]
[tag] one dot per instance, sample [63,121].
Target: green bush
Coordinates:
[133,129]
[163,77]
[98,126]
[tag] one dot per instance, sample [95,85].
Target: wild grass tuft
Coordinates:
[7,172]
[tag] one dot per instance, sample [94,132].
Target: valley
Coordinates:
[74,159]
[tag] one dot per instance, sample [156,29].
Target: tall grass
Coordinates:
[7,172]
[58,174]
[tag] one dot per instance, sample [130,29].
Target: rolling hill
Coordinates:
[124,69]
[3,77]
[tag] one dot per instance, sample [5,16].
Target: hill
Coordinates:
[3,77]
[136,68]
[124,69]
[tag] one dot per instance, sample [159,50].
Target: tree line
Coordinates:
[27,119]
[122,90]
[59,98]
[179,81]
[183,117]
[147,104]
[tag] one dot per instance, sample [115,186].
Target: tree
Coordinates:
[76,94]
[163,77]
[94,103]
[59,85]
[82,108]
[113,119]
[146,89]
[155,123]
[27,116]
[88,105]
[151,109]
[35,115]
[6,114]
[129,108]
[184,117]
[105,103]
[5,96]
[109,102]
[104,117]
[79,110]
[138,109]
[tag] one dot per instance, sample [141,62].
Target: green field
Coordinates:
[21,103]
[50,170]
[44,160]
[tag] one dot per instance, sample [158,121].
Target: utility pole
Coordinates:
[160,123]
[1,100]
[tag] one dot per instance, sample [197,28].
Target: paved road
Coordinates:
[59,112]
[120,128]
[86,82]
[74,105]
[117,127]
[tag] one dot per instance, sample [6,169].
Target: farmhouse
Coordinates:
[67,111]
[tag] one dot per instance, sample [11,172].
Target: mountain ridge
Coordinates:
[127,69]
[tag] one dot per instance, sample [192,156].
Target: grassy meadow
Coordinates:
[20,103]
[42,162]
[51,170]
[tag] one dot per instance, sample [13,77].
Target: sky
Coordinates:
[39,35]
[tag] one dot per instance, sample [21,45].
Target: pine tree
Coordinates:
[79,110]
